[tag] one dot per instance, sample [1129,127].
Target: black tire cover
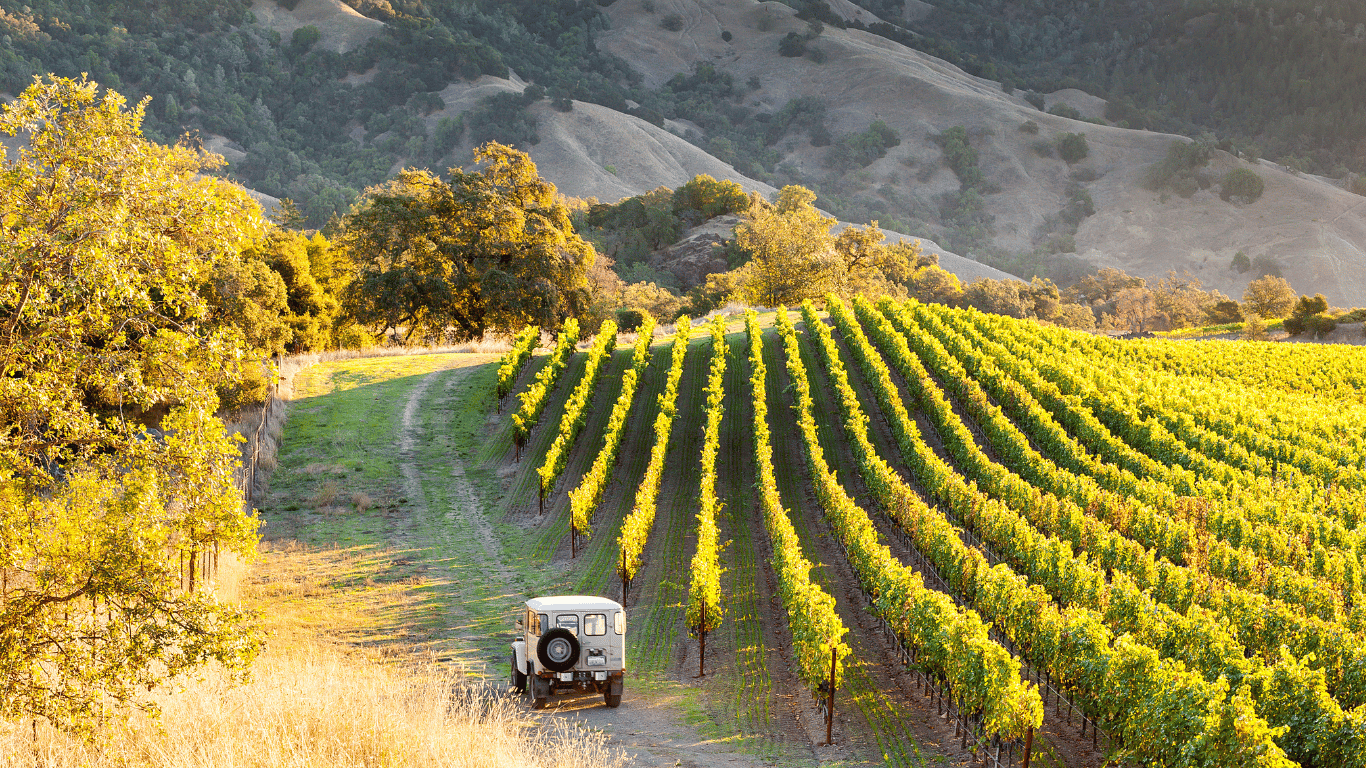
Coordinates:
[559,637]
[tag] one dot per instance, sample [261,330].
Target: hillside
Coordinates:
[644,93]
[1313,229]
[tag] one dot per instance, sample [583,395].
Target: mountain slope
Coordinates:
[1315,231]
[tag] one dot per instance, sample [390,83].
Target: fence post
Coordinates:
[1029,745]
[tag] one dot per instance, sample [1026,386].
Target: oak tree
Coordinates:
[116,478]
[492,249]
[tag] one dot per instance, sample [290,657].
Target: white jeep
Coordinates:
[570,643]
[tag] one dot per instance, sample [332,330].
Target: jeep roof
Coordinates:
[572,603]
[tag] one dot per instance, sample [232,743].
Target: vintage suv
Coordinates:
[570,643]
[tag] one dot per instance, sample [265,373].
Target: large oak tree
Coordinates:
[492,249]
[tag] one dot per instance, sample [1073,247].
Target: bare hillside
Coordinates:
[342,28]
[1315,231]
[595,152]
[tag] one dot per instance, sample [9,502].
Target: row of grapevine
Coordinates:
[1175,539]
[1041,625]
[635,529]
[575,410]
[511,363]
[816,628]
[1196,638]
[1326,488]
[1292,413]
[1259,624]
[950,643]
[1332,370]
[1252,514]
[538,394]
[1015,384]
[704,590]
[583,499]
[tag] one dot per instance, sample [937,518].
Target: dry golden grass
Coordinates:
[316,703]
[362,501]
[326,494]
[313,704]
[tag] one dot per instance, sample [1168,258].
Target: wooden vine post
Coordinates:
[702,638]
[1029,745]
[830,702]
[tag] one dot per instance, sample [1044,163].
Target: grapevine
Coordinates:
[511,363]
[583,499]
[635,530]
[537,395]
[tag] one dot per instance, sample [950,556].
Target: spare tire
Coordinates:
[558,650]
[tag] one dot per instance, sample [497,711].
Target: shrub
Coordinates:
[1029,126]
[1072,147]
[1036,99]
[1241,263]
[726,35]
[1182,158]
[355,337]
[1226,311]
[1242,185]
[1064,110]
[673,22]
[792,46]
[1318,325]
[1043,148]
[629,320]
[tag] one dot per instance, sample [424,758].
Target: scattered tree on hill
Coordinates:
[1269,296]
[1310,314]
[109,239]
[792,257]
[1242,185]
[1072,147]
[491,250]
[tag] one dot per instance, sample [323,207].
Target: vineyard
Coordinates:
[1052,544]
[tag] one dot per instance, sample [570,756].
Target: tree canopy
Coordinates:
[113,466]
[493,249]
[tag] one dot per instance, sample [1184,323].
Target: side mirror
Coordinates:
[519,625]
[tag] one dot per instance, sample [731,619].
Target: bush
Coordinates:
[1036,99]
[1227,311]
[726,35]
[1064,110]
[1029,126]
[1072,147]
[673,22]
[1318,325]
[1241,263]
[792,46]
[355,337]
[629,320]
[1242,185]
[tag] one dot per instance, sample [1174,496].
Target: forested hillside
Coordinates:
[1280,77]
[316,100]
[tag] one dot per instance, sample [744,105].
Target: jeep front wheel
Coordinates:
[613,700]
